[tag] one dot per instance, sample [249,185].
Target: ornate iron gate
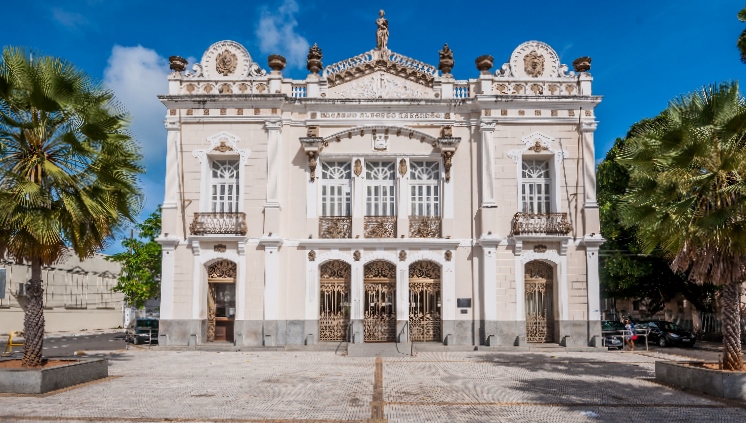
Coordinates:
[539,278]
[424,302]
[379,320]
[334,301]
[223,271]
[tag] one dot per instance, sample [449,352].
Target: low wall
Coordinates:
[718,383]
[39,381]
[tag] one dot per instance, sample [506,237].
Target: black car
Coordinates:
[666,333]
[143,331]
[612,332]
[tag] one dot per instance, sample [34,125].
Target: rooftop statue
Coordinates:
[382,33]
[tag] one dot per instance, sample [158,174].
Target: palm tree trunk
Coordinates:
[33,323]
[731,301]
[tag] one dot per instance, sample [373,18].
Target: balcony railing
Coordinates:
[541,224]
[380,226]
[335,227]
[424,226]
[218,224]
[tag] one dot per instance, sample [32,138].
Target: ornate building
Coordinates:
[380,199]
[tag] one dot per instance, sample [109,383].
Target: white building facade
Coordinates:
[380,200]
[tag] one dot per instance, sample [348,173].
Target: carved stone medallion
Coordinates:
[356,255]
[402,255]
[448,255]
[219,248]
[226,62]
[534,64]
[358,168]
[403,167]
[312,255]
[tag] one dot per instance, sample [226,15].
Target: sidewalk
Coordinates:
[200,386]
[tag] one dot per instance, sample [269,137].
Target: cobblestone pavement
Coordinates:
[200,386]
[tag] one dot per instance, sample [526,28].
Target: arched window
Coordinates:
[535,191]
[335,188]
[424,185]
[224,186]
[380,182]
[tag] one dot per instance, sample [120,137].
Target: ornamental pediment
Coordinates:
[380,60]
[380,84]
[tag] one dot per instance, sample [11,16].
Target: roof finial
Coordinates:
[382,34]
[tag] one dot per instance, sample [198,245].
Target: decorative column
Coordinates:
[590,207]
[199,299]
[447,144]
[241,281]
[358,197]
[312,145]
[402,202]
[170,203]
[357,293]
[272,205]
[271,276]
[402,296]
[168,246]
[487,163]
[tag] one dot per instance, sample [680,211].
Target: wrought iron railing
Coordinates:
[380,226]
[335,227]
[424,226]
[541,224]
[218,223]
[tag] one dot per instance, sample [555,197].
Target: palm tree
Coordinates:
[68,171]
[687,194]
[742,38]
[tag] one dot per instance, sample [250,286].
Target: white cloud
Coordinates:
[277,34]
[138,75]
[70,20]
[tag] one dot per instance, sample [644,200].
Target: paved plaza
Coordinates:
[195,386]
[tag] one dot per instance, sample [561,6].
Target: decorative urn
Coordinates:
[276,62]
[178,63]
[484,63]
[314,59]
[582,64]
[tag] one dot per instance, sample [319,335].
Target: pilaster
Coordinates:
[170,211]
[168,265]
[592,244]
[271,275]
[272,205]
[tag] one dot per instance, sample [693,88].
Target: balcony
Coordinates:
[218,224]
[425,226]
[380,226]
[335,227]
[540,224]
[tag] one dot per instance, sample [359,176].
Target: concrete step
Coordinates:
[383,349]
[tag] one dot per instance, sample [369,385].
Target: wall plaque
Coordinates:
[463,302]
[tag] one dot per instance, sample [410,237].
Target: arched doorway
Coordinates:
[539,279]
[334,300]
[424,301]
[379,318]
[221,300]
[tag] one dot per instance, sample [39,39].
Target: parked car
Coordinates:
[611,331]
[142,331]
[666,333]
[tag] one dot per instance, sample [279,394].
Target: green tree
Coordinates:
[626,272]
[140,276]
[68,171]
[741,43]
[687,195]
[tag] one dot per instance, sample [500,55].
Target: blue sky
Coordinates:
[644,52]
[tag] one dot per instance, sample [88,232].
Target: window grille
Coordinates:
[424,185]
[380,182]
[335,188]
[535,191]
[224,186]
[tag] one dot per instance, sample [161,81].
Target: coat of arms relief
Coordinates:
[534,64]
[381,85]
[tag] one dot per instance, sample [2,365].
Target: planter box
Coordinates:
[39,381]
[719,383]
